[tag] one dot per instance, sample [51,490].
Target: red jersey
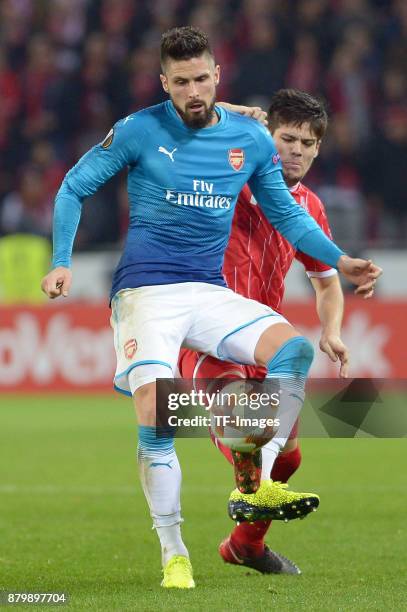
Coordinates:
[258,258]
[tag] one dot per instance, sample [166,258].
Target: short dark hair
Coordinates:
[183,44]
[293,106]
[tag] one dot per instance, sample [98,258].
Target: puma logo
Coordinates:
[157,463]
[170,154]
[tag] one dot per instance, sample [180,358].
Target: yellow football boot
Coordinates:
[271,501]
[178,574]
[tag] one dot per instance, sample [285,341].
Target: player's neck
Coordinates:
[292,185]
[214,119]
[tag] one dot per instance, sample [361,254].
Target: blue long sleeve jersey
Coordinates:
[183,185]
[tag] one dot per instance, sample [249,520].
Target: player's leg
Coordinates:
[246,332]
[198,367]
[287,462]
[203,369]
[160,476]
[146,342]
[287,357]
[280,464]
[245,546]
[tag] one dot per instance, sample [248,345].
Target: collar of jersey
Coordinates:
[177,119]
[296,187]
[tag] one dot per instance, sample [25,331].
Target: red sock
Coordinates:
[286,464]
[248,539]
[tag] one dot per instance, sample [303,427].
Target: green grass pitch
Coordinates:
[73,518]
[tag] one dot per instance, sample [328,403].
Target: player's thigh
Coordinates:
[228,325]
[149,324]
[195,365]
[272,339]
[187,362]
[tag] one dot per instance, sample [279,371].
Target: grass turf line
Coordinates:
[73,517]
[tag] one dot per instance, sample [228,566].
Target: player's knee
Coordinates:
[144,399]
[305,353]
[295,357]
[142,384]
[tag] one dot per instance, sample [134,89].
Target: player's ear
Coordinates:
[317,149]
[164,82]
[217,74]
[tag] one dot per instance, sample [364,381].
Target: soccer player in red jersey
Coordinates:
[256,263]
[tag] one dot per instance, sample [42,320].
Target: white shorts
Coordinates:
[151,324]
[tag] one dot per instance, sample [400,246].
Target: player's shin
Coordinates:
[248,470]
[269,454]
[290,365]
[160,476]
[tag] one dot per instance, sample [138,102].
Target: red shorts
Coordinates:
[193,365]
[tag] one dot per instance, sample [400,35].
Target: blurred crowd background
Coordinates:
[70,68]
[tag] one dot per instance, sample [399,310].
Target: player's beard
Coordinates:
[197,120]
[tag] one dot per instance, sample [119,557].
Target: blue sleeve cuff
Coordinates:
[319,246]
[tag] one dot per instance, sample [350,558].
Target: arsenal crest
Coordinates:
[130,348]
[236,159]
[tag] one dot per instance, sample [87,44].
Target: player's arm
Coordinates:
[294,223]
[93,170]
[329,305]
[328,294]
[256,112]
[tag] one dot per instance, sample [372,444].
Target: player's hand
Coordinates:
[333,346]
[248,111]
[360,272]
[57,282]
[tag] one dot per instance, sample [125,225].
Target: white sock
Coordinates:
[160,476]
[291,400]
[171,542]
[269,454]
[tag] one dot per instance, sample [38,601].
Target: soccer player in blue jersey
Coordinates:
[187,160]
